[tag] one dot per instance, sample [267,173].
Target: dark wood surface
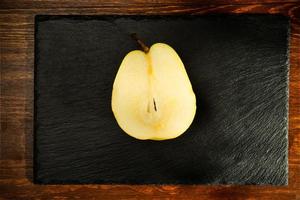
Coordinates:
[16,139]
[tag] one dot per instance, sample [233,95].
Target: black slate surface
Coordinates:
[238,66]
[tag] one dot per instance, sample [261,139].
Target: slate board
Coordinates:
[238,66]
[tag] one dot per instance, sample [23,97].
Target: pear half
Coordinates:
[152,95]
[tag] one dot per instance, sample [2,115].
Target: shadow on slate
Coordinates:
[238,66]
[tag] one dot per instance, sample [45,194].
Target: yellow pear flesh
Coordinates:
[152,96]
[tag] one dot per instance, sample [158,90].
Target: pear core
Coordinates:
[152,95]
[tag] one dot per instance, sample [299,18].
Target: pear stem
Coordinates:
[144,47]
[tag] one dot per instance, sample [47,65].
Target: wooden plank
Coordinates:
[24,188]
[169,9]
[37,4]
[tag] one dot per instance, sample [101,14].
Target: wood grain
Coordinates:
[17,46]
[45,4]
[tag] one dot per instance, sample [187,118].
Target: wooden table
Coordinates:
[17,53]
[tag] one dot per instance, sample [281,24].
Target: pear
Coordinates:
[152,95]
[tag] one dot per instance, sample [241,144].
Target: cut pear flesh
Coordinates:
[152,95]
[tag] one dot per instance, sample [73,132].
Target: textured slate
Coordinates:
[238,66]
